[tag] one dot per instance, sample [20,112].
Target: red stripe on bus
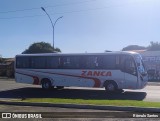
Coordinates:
[35,78]
[97,82]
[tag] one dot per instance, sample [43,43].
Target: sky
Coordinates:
[87,25]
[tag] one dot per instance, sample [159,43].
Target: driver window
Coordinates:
[130,66]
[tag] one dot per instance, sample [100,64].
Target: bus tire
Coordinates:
[46,84]
[111,86]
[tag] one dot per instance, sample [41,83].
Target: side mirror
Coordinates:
[131,70]
[144,73]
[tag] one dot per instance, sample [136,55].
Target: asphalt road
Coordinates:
[10,89]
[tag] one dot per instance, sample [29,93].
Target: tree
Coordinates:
[154,46]
[1,59]
[40,47]
[133,47]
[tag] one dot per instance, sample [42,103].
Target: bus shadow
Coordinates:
[71,94]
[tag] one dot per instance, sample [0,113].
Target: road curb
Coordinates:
[78,106]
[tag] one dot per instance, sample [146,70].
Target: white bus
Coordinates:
[112,70]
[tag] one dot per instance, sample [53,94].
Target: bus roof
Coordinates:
[63,54]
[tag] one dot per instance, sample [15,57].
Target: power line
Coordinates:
[20,10]
[29,9]
[76,11]
[16,17]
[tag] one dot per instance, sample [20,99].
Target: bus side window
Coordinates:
[52,62]
[91,62]
[82,62]
[22,62]
[61,61]
[122,62]
[107,62]
[38,62]
[70,62]
[75,62]
[87,62]
[66,62]
[118,65]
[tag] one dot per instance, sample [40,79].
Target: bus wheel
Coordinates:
[46,84]
[111,86]
[60,87]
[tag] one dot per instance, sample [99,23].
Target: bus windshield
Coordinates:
[140,64]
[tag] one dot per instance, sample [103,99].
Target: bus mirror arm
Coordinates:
[144,73]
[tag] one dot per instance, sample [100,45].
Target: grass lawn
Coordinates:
[94,102]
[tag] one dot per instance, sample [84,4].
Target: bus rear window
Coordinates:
[22,62]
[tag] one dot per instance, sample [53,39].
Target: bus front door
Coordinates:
[130,74]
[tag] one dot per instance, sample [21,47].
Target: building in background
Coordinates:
[151,60]
[7,67]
